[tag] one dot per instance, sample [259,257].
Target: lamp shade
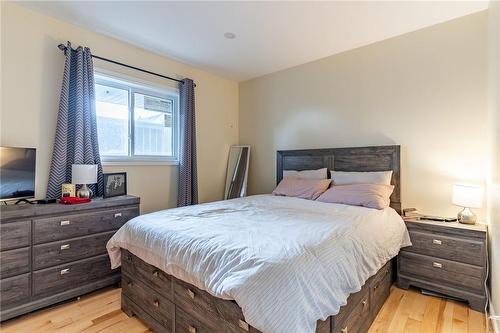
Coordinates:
[84,173]
[468,196]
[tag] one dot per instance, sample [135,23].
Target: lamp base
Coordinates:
[84,192]
[466,216]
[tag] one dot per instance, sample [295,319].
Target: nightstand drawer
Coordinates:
[446,272]
[447,247]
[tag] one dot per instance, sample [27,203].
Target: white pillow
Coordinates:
[354,177]
[306,174]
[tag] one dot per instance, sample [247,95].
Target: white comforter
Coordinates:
[287,262]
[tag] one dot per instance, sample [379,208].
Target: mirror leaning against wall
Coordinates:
[237,172]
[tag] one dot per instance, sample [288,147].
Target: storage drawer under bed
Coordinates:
[160,308]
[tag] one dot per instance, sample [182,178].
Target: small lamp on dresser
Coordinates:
[467,196]
[84,174]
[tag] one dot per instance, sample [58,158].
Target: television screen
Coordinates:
[17,173]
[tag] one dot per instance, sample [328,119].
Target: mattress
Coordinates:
[287,262]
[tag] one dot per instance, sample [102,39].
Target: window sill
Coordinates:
[134,163]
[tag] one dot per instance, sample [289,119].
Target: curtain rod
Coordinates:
[63,48]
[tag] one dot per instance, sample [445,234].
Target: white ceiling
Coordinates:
[270,36]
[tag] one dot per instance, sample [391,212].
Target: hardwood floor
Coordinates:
[404,311]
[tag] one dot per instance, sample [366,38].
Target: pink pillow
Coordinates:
[302,188]
[367,195]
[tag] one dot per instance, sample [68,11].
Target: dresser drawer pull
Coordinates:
[118,215]
[190,293]
[436,241]
[437,265]
[344,330]
[364,303]
[156,273]
[243,325]
[156,303]
[191,329]
[64,271]
[65,246]
[65,222]
[376,287]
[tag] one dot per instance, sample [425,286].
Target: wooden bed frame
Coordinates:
[167,304]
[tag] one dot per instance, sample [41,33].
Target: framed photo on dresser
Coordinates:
[115,184]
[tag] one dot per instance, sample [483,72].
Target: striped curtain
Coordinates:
[76,131]
[188,179]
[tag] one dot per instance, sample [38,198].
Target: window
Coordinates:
[135,122]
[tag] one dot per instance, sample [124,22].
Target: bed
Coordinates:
[265,263]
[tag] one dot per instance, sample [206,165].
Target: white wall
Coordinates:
[32,67]
[426,90]
[494,180]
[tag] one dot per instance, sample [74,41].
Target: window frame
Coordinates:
[133,86]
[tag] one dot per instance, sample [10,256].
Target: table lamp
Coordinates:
[467,196]
[84,174]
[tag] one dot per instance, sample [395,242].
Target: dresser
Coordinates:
[447,258]
[51,253]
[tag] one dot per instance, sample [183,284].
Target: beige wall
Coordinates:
[494,181]
[425,90]
[31,78]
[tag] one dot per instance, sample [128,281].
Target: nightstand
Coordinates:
[447,258]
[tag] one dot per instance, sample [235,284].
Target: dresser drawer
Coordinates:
[451,273]
[75,274]
[161,309]
[459,249]
[70,226]
[15,290]
[57,253]
[15,234]
[14,262]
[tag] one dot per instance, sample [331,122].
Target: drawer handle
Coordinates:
[64,271]
[243,324]
[118,215]
[344,330]
[65,222]
[436,241]
[190,293]
[156,273]
[437,265]
[156,303]
[364,303]
[376,287]
[65,246]
[191,329]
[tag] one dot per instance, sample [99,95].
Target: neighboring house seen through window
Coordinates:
[135,122]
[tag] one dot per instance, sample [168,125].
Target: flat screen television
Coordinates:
[17,173]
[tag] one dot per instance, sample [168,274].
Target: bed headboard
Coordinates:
[375,158]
